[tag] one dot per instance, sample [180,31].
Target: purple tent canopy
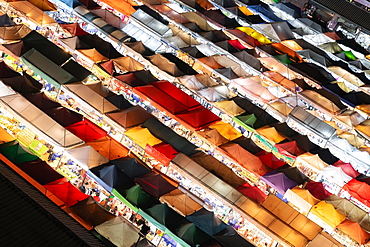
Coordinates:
[278,181]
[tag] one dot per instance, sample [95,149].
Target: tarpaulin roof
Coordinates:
[180,202]
[217,168]
[118,231]
[317,190]
[277,66]
[113,177]
[200,21]
[172,14]
[217,93]
[301,198]
[215,36]
[87,156]
[33,12]
[230,238]
[347,168]
[111,18]
[198,118]
[177,41]
[249,59]
[346,75]
[16,153]
[48,70]
[226,130]
[163,63]
[139,34]
[37,119]
[169,136]
[63,116]
[230,107]
[327,213]
[245,158]
[74,29]
[109,148]
[229,63]
[142,136]
[139,47]
[127,64]
[14,32]
[252,89]
[270,160]
[290,149]
[312,161]
[40,171]
[354,230]
[278,181]
[155,184]
[191,234]
[207,221]
[138,197]
[359,190]
[218,17]
[93,54]
[186,37]
[86,130]
[249,121]
[162,152]
[130,166]
[252,192]
[164,215]
[65,191]
[271,134]
[23,84]
[105,48]
[293,173]
[130,79]
[213,136]
[277,30]
[42,101]
[131,116]
[90,212]
[16,49]
[210,62]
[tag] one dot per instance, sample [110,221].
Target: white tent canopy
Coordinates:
[38,121]
[335,175]
[118,232]
[87,156]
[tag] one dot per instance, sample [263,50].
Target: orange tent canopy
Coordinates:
[354,230]
[124,7]
[109,148]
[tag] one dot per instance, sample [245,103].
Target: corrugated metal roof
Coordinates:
[28,218]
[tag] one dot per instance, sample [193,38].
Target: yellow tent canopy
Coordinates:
[44,5]
[346,75]
[271,134]
[327,213]
[281,107]
[256,35]
[312,161]
[292,45]
[230,107]
[226,130]
[245,10]
[213,136]
[33,12]
[142,136]
[342,86]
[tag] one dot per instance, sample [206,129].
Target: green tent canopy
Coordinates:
[164,215]
[284,58]
[45,68]
[250,121]
[191,234]
[139,197]
[16,153]
[350,55]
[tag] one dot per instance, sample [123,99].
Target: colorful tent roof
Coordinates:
[278,181]
[40,171]
[155,184]
[354,230]
[90,212]
[207,221]
[86,130]
[130,166]
[252,192]
[226,130]
[16,153]
[328,214]
[162,152]
[271,160]
[317,190]
[164,215]
[180,202]
[65,191]
[87,156]
[359,190]
[138,197]
[142,136]
[131,116]
[191,234]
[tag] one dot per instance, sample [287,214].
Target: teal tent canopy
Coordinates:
[139,197]
[164,215]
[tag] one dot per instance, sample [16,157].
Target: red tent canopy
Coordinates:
[154,184]
[65,191]
[163,152]
[252,192]
[108,66]
[347,168]
[161,98]
[290,149]
[245,37]
[86,130]
[317,190]
[176,93]
[270,160]
[359,190]
[198,118]
[354,230]
[236,44]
